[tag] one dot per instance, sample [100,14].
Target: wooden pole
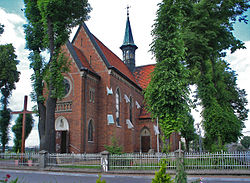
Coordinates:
[24,112]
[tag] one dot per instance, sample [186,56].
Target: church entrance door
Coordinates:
[64,142]
[62,135]
[145,140]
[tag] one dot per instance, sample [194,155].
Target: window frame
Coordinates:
[91,131]
[117,106]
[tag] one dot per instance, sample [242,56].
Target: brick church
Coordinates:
[103,98]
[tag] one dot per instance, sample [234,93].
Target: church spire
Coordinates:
[128,47]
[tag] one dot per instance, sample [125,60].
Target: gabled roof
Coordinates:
[109,58]
[80,59]
[143,74]
[115,61]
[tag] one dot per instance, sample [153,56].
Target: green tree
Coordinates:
[49,26]
[167,93]
[245,141]
[9,76]
[17,130]
[188,130]
[208,33]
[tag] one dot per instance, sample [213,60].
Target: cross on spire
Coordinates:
[128,9]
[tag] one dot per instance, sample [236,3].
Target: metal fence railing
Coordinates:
[192,161]
[18,159]
[219,160]
[136,161]
[142,161]
[89,161]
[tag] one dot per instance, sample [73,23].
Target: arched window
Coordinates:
[117,107]
[131,109]
[90,131]
[127,54]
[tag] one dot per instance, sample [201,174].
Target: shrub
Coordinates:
[181,176]
[161,176]
[99,180]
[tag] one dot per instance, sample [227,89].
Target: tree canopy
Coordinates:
[9,76]
[190,40]
[49,26]
[245,141]
[17,130]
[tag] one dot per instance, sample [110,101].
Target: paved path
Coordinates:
[62,177]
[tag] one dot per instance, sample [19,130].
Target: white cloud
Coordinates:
[14,34]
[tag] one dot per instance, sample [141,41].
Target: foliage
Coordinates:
[99,180]
[17,130]
[167,93]
[161,176]
[245,141]
[181,175]
[49,26]
[9,76]
[207,33]
[4,124]
[114,148]
[8,70]
[188,130]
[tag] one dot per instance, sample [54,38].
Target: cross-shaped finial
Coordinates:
[128,9]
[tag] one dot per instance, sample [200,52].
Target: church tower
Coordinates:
[128,47]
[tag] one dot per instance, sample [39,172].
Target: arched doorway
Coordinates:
[62,134]
[145,140]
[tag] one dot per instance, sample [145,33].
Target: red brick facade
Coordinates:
[93,71]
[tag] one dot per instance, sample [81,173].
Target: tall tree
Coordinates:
[55,20]
[9,76]
[167,93]
[208,33]
[17,130]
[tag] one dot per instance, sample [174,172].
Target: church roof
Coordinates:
[80,59]
[115,61]
[109,58]
[128,37]
[142,75]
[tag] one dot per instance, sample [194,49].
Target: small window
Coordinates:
[67,87]
[91,95]
[117,107]
[90,131]
[110,119]
[127,54]
[131,109]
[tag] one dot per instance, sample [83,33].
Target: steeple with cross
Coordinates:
[128,47]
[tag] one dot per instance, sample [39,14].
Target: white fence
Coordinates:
[18,159]
[219,160]
[192,161]
[89,161]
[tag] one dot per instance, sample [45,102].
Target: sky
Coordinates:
[107,22]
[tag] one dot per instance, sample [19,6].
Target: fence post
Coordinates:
[105,161]
[42,158]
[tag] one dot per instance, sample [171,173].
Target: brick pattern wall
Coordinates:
[102,105]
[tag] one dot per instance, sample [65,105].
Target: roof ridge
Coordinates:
[106,47]
[145,65]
